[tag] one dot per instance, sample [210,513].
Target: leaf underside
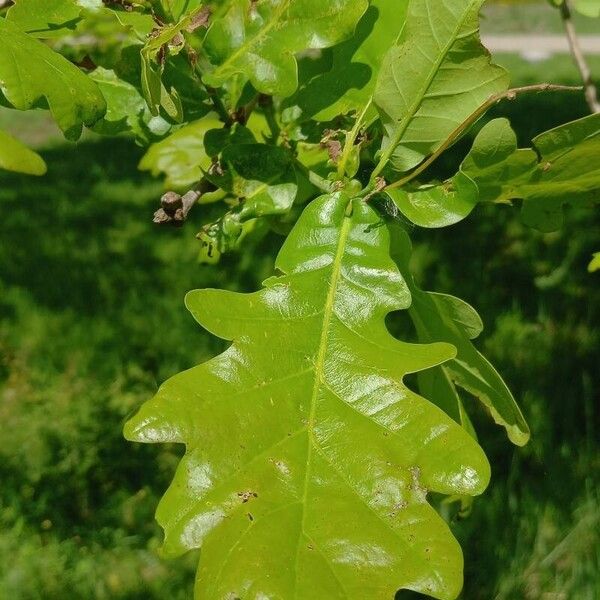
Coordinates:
[308,460]
[434,78]
[561,169]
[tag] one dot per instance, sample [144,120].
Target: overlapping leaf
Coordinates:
[260,176]
[443,318]
[181,156]
[127,110]
[349,82]
[259,38]
[562,168]
[15,156]
[308,460]
[437,205]
[32,75]
[433,79]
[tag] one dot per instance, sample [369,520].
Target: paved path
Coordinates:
[539,45]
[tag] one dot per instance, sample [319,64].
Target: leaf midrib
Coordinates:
[252,41]
[319,364]
[412,111]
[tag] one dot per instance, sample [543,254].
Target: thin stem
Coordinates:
[266,103]
[474,117]
[351,140]
[591,93]
[319,182]
[218,105]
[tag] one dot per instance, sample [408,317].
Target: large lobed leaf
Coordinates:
[32,75]
[259,38]
[308,459]
[434,78]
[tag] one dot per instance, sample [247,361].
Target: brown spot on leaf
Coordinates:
[247,495]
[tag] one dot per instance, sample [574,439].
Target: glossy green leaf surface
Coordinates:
[433,79]
[15,156]
[443,318]
[259,38]
[349,83]
[562,168]
[437,205]
[181,156]
[32,75]
[308,460]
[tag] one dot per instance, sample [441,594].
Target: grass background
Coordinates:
[92,320]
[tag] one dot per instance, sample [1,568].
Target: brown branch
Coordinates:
[474,117]
[591,93]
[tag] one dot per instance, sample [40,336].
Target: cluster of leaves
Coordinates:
[318,120]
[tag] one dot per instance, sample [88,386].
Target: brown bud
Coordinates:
[170,202]
[160,217]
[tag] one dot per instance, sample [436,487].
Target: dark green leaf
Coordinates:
[442,318]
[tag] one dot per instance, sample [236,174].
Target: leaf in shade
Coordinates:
[308,459]
[259,38]
[562,168]
[181,156]
[260,176]
[443,318]
[433,79]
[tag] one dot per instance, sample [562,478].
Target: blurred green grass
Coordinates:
[92,320]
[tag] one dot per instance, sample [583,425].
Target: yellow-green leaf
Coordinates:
[15,156]
[309,461]
[32,75]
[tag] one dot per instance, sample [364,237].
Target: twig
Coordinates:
[591,93]
[474,117]
[175,208]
